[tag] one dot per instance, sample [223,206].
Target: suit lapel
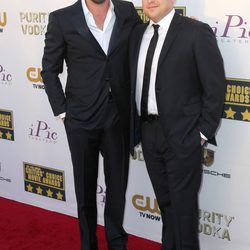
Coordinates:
[173,31]
[81,26]
[117,29]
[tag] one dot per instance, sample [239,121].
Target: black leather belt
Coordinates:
[150,118]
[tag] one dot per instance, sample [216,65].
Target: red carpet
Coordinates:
[25,227]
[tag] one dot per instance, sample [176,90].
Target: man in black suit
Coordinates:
[91,36]
[178,87]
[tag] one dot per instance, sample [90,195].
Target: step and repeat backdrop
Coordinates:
[35,164]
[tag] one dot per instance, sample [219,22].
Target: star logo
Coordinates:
[39,190]
[230,113]
[49,193]
[8,135]
[1,134]
[246,115]
[59,196]
[30,188]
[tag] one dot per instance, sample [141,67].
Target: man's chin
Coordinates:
[98,1]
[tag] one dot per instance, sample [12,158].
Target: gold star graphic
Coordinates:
[39,190]
[246,115]
[29,187]
[1,134]
[59,196]
[49,193]
[8,135]
[230,113]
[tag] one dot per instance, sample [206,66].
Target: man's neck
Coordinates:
[99,11]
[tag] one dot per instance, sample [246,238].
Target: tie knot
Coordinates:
[156,27]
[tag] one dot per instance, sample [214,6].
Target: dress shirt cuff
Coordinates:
[203,136]
[62,115]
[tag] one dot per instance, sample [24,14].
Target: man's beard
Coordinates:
[98,1]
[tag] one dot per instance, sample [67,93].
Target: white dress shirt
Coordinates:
[148,34]
[101,36]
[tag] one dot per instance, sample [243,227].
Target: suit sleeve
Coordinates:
[135,16]
[212,76]
[52,65]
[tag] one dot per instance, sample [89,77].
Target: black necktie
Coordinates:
[147,71]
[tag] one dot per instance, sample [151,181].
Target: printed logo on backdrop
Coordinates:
[33,23]
[216,225]
[232,29]
[3,21]
[101,195]
[41,131]
[207,161]
[34,76]
[44,181]
[237,100]
[6,125]
[3,178]
[5,76]
[181,10]
[147,207]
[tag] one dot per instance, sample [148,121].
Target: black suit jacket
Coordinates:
[190,83]
[90,72]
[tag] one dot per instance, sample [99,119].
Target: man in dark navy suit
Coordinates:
[91,36]
[178,87]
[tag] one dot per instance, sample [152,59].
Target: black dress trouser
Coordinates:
[85,145]
[176,183]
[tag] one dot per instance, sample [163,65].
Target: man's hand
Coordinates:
[62,116]
[203,141]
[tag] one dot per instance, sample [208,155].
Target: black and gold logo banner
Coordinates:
[44,181]
[181,10]
[3,21]
[6,125]
[237,100]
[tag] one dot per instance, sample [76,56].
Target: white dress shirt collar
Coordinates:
[90,19]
